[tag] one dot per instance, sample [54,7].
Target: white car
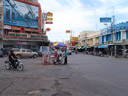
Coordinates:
[69,52]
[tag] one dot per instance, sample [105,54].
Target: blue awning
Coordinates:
[103,46]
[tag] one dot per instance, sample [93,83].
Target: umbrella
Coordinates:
[55,44]
[64,45]
[60,44]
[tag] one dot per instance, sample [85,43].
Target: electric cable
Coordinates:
[17,12]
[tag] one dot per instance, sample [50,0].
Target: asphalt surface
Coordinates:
[85,75]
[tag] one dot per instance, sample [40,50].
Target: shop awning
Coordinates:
[103,46]
[83,47]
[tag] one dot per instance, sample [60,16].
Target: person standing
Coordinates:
[65,60]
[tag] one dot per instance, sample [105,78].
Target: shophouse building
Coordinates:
[93,41]
[115,38]
[21,24]
[83,38]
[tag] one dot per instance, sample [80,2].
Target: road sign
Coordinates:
[105,20]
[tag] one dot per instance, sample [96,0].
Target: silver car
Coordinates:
[24,53]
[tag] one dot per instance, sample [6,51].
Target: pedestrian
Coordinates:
[76,50]
[55,56]
[65,59]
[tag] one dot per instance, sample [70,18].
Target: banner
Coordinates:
[20,14]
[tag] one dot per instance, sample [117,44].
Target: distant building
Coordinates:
[93,39]
[83,38]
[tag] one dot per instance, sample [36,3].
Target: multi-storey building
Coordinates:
[93,39]
[115,38]
[83,38]
[20,24]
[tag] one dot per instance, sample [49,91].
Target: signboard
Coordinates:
[105,20]
[49,22]
[68,31]
[48,29]
[49,14]
[73,43]
[22,43]
[7,27]
[74,39]
[27,18]
[50,19]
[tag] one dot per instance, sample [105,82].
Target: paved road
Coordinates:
[85,75]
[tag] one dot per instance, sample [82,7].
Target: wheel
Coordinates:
[7,66]
[20,67]
[34,56]
[18,56]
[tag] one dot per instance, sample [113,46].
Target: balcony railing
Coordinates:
[25,36]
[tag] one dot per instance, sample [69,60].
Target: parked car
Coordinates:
[1,53]
[69,52]
[24,53]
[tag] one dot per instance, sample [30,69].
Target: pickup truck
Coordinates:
[24,53]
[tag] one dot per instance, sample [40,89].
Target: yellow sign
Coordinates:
[74,39]
[49,14]
[68,31]
[50,19]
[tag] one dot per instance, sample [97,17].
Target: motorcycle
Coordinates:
[18,65]
[57,61]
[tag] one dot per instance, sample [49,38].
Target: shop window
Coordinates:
[0,17]
[7,14]
[1,2]
[126,35]
[118,36]
[13,15]
[102,39]
[108,37]
[0,32]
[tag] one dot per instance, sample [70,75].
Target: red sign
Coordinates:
[7,27]
[73,43]
[48,29]
[49,22]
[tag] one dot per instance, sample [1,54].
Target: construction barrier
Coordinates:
[46,59]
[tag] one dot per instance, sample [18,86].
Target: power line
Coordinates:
[29,8]
[17,11]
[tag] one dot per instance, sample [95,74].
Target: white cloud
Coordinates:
[75,16]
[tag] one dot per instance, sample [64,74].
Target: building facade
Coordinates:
[115,38]
[83,38]
[21,24]
[93,39]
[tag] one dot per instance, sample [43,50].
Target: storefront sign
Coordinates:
[7,27]
[22,43]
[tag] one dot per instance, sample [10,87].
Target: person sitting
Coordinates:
[12,58]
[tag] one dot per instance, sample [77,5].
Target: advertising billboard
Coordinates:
[105,20]
[20,14]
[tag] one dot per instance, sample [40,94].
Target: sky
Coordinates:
[80,15]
